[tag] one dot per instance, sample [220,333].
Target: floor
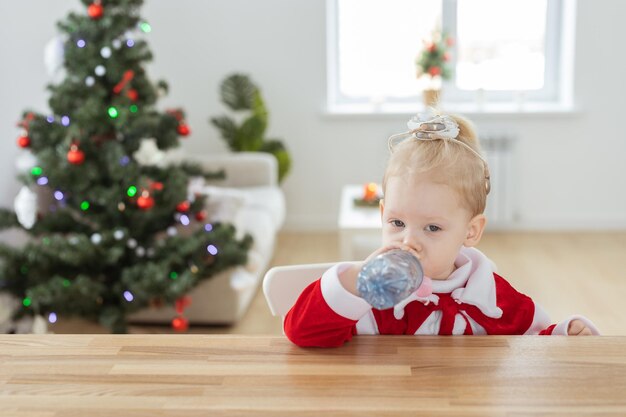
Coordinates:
[566,273]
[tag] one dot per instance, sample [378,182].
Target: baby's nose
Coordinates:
[413,243]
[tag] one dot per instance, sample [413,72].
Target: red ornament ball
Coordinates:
[145,202]
[95,11]
[132,94]
[23,141]
[434,71]
[183,207]
[75,156]
[201,216]
[180,324]
[183,130]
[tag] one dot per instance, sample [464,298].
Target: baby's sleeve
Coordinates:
[560,329]
[522,315]
[325,314]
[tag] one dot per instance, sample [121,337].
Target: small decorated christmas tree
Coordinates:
[434,60]
[433,66]
[113,229]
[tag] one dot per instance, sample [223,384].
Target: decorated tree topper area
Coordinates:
[113,228]
[433,62]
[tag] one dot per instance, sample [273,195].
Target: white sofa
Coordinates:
[251,199]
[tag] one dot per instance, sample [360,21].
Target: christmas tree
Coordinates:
[112,229]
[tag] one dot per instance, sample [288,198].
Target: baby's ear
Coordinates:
[475,230]
[381,206]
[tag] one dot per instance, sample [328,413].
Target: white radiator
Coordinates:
[498,149]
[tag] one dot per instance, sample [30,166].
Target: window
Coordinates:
[504,51]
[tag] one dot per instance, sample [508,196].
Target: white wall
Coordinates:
[572,167]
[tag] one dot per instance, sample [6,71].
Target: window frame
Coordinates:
[556,93]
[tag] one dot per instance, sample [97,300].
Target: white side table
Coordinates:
[359,227]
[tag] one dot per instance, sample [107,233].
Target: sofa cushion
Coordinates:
[250,199]
[258,223]
[223,204]
[268,198]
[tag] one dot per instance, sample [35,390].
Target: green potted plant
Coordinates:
[240,94]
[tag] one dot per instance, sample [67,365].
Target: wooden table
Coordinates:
[208,375]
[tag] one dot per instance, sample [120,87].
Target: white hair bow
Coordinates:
[429,126]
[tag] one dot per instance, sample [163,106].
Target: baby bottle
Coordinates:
[389,278]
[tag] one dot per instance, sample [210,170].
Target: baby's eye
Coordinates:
[397,223]
[433,228]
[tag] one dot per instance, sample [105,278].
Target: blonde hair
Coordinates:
[447,163]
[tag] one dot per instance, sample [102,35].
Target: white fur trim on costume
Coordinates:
[541,320]
[561,328]
[477,329]
[471,283]
[459,324]
[480,289]
[367,324]
[431,324]
[340,300]
[398,309]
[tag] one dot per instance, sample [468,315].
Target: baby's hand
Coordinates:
[349,276]
[578,328]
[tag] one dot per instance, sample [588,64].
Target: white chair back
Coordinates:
[283,284]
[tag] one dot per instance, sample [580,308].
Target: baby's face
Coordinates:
[427,217]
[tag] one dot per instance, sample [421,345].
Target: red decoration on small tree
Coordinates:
[178,114]
[201,216]
[182,303]
[132,94]
[183,130]
[75,156]
[95,10]
[126,78]
[156,185]
[183,206]
[145,201]
[180,323]
[23,141]
[433,60]
[434,71]
[26,121]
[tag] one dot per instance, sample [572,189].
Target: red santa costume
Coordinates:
[472,300]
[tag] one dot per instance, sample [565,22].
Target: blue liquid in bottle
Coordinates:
[389,278]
